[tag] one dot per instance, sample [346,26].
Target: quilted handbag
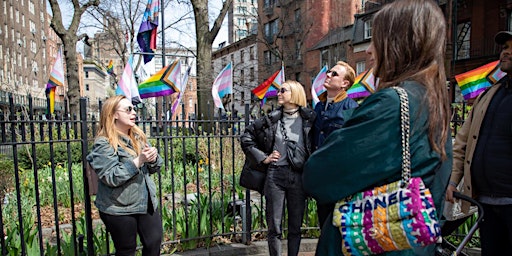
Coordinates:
[251,178]
[296,153]
[396,216]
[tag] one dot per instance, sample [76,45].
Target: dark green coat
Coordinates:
[366,152]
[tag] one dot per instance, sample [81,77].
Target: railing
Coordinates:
[43,181]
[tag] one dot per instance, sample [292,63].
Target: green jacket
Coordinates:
[123,189]
[367,151]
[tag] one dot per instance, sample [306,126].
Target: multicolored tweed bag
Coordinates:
[387,218]
[396,216]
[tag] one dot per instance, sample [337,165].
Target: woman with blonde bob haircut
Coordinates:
[298,96]
[264,143]
[408,48]
[126,197]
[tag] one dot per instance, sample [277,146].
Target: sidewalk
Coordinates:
[257,248]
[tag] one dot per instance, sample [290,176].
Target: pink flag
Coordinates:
[222,85]
[317,87]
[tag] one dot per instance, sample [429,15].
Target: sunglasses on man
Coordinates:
[333,73]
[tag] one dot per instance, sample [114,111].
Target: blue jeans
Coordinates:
[284,184]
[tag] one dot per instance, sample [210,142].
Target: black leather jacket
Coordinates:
[257,141]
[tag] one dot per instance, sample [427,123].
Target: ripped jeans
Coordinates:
[283,184]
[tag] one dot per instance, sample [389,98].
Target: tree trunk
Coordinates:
[73,93]
[205,38]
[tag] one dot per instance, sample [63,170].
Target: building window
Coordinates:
[251,53]
[324,57]
[368,29]
[242,77]
[251,74]
[242,55]
[360,67]
[241,33]
[271,29]
[298,53]
[242,9]
[266,57]
[463,40]
[31,7]
[242,22]
[86,74]
[509,21]
[268,3]
[87,87]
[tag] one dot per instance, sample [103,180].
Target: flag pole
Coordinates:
[232,89]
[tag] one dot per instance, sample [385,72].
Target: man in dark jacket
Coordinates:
[330,116]
[482,155]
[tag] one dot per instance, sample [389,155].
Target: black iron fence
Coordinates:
[45,207]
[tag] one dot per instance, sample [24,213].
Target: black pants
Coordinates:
[284,184]
[124,230]
[323,211]
[496,229]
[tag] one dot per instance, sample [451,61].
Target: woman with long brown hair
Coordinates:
[408,47]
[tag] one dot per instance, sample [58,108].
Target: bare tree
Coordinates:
[205,37]
[69,40]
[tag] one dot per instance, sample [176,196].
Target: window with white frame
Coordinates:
[360,67]
[31,7]
[368,29]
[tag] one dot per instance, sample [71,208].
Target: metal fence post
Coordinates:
[88,210]
[246,209]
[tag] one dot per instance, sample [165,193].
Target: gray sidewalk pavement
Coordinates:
[257,248]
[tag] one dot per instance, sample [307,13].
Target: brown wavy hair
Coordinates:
[107,128]
[409,38]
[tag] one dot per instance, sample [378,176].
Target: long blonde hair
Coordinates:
[409,37]
[107,128]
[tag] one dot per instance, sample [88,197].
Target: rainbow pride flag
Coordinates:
[56,79]
[110,68]
[364,85]
[269,87]
[317,87]
[146,37]
[222,85]
[475,81]
[165,82]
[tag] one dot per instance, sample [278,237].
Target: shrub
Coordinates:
[60,154]
[6,175]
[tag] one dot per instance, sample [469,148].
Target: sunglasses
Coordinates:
[333,73]
[282,90]
[128,109]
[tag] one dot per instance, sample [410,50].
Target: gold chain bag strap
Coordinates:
[396,216]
